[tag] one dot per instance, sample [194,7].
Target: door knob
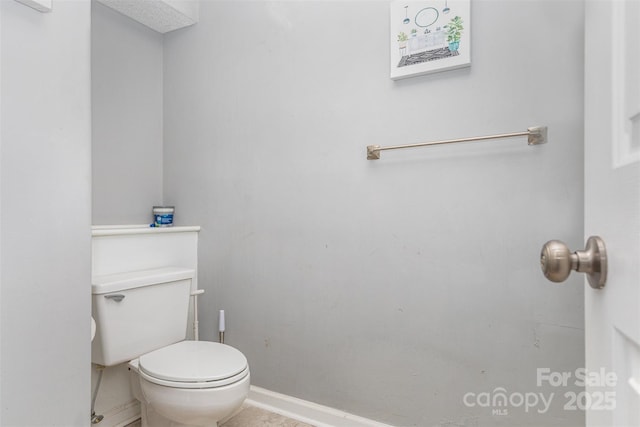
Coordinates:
[557,261]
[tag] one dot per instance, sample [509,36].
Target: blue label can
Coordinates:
[163,216]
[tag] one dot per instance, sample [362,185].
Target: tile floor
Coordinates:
[250,416]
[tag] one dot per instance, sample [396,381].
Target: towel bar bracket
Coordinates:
[537,135]
[373,152]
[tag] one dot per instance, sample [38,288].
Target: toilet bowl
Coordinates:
[190,383]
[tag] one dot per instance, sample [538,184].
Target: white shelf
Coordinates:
[120,230]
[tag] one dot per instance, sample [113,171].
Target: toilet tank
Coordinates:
[139,311]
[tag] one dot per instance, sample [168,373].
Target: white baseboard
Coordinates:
[121,415]
[305,411]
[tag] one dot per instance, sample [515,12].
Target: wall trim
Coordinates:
[121,230]
[122,415]
[305,411]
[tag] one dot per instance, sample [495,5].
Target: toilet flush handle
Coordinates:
[115,297]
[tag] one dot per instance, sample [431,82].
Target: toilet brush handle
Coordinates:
[221,326]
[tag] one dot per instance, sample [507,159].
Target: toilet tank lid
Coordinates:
[107,283]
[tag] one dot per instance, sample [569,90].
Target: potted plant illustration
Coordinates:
[414,32]
[402,39]
[402,42]
[454,32]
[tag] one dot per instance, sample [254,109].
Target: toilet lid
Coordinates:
[193,361]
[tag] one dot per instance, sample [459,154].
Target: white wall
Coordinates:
[391,288]
[45,214]
[126,65]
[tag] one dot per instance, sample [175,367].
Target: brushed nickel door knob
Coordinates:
[557,261]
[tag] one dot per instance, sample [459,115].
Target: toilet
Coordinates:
[141,319]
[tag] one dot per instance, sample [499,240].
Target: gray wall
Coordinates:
[391,288]
[126,66]
[45,215]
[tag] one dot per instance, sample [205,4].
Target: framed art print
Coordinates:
[429,36]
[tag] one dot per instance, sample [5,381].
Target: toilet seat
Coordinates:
[194,364]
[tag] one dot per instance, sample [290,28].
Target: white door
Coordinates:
[612,210]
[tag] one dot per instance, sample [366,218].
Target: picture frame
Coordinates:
[429,36]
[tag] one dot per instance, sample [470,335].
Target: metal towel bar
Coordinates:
[536,135]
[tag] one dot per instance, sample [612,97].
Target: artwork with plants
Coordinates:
[439,36]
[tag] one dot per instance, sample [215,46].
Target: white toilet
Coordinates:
[141,318]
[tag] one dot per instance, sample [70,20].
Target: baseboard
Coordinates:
[121,415]
[305,411]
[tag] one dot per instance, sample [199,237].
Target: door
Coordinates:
[612,210]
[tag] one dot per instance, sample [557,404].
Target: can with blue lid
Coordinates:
[163,216]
